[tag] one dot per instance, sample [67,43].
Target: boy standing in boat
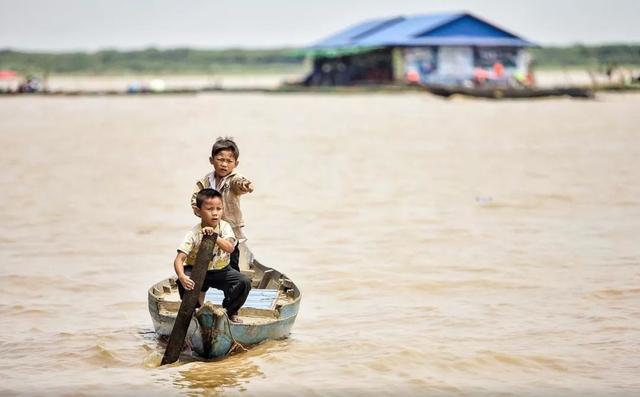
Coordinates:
[234,285]
[232,185]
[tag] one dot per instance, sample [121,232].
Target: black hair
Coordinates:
[226,143]
[206,193]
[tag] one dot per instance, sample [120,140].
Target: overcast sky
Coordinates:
[132,24]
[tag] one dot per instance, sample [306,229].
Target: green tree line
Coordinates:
[587,56]
[186,60]
[180,60]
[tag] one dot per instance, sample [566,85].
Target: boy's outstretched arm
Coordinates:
[178,266]
[241,185]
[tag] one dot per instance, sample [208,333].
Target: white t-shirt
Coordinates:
[192,240]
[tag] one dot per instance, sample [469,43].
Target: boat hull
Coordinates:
[508,92]
[220,336]
[210,332]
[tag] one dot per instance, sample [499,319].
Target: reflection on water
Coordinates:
[455,247]
[214,377]
[200,376]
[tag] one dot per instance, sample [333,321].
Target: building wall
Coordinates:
[374,67]
[461,64]
[429,64]
[398,64]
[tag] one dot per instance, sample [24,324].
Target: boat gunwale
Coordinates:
[152,297]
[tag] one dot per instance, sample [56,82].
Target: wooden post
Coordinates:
[189,300]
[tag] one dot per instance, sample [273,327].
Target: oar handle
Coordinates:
[190,298]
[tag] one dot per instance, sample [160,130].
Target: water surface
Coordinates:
[460,247]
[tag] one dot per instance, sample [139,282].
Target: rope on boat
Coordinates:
[195,329]
[218,314]
[235,344]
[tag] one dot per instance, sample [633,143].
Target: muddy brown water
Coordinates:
[459,247]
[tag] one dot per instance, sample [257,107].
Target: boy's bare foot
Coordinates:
[235,319]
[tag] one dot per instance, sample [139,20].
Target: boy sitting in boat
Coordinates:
[225,179]
[234,285]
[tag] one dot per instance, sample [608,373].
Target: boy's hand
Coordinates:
[208,231]
[186,282]
[246,186]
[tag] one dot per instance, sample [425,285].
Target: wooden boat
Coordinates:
[508,92]
[268,313]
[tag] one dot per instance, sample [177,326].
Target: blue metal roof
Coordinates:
[423,30]
[347,36]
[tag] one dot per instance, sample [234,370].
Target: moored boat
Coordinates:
[268,313]
[498,92]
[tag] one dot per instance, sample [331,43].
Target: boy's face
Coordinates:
[210,211]
[224,162]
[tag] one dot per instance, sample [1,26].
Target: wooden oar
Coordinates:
[189,300]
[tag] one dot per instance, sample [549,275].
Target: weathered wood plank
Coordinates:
[189,300]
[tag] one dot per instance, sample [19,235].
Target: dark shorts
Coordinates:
[232,283]
[235,258]
[205,285]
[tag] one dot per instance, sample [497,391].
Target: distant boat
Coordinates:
[507,92]
[268,313]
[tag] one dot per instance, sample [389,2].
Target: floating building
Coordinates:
[449,48]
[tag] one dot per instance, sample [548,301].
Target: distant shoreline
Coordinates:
[186,61]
